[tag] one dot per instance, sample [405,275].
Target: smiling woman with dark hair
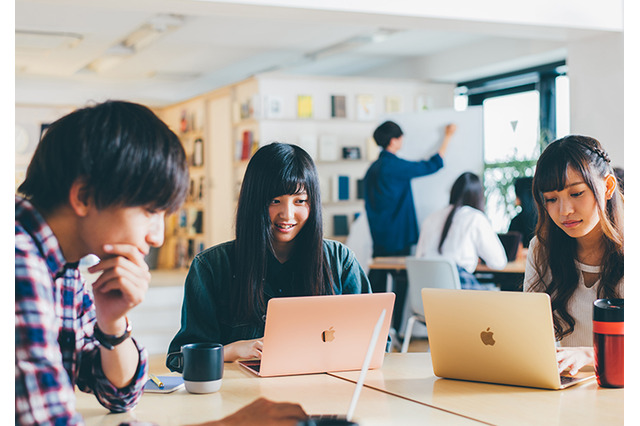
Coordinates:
[278,252]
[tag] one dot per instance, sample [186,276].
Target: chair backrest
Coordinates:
[511,242]
[433,272]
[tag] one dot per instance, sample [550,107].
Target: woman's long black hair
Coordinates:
[556,251]
[274,170]
[467,190]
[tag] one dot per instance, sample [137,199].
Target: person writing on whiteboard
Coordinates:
[577,254]
[278,252]
[388,197]
[462,232]
[389,205]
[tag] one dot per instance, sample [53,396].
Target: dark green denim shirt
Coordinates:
[206,312]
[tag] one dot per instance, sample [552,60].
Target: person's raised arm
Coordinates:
[121,286]
[448,133]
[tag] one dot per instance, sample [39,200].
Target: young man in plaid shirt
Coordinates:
[100,182]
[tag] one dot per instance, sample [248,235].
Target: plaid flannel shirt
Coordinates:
[55,347]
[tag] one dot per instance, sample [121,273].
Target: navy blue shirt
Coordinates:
[389,201]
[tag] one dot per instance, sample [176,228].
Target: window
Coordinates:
[523,112]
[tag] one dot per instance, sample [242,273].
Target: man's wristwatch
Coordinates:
[109,341]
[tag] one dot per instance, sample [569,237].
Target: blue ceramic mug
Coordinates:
[201,365]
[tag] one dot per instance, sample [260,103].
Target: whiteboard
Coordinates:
[423,133]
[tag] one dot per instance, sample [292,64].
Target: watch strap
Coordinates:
[109,341]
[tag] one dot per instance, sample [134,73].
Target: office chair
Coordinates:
[433,272]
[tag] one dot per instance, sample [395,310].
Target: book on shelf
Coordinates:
[393,104]
[309,142]
[273,106]
[191,195]
[191,248]
[340,225]
[247,141]
[328,148]
[373,150]
[198,152]
[167,254]
[360,189]
[338,106]
[351,153]
[200,192]
[325,187]
[341,188]
[182,218]
[181,253]
[195,218]
[365,107]
[305,106]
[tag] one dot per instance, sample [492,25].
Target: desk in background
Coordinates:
[509,278]
[317,393]
[410,376]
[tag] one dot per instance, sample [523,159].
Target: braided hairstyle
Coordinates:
[556,251]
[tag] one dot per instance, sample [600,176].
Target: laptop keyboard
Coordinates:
[252,364]
[565,380]
[326,420]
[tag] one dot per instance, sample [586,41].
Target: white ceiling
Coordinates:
[218,42]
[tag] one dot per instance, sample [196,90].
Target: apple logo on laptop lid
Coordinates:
[487,337]
[328,335]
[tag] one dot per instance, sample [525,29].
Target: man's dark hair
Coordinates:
[385,132]
[124,153]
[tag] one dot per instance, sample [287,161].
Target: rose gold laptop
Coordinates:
[495,337]
[317,334]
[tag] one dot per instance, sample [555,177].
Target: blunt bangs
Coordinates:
[290,171]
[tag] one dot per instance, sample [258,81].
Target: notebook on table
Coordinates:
[318,334]
[495,337]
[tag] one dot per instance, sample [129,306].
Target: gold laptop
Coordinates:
[495,337]
[317,334]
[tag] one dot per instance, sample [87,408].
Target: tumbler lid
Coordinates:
[608,310]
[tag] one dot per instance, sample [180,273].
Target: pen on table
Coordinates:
[157,381]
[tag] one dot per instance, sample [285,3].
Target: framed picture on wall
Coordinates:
[365,107]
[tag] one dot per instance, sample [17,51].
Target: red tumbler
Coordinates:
[608,342]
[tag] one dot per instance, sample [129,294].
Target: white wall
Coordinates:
[595,68]
[28,122]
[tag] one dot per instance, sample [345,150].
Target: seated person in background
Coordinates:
[278,252]
[577,255]
[525,221]
[100,182]
[462,232]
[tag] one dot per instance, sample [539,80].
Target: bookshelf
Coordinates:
[185,229]
[332,118]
